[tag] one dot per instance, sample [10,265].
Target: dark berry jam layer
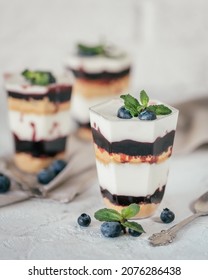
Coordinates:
[56,94]
[41,148]
[81,74]
[123,200]
[134,148]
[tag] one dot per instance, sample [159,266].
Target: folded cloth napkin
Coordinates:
[192,128]
[79,174]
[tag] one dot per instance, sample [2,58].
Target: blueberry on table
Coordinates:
[167,216]
[111,229]
[4,183]
[84,220]
[123,113]
[147,115]
[134,232]
[58,165]
[45,176]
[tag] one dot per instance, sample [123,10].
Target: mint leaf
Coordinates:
[159,109]
[133,225]
[144,98]
[86,50]
[130,211]
[131,104]
[140,108]
[108,215]
[41,78]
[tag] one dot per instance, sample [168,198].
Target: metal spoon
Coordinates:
[166,237]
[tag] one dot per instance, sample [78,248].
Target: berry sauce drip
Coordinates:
[33,131]
[54,128]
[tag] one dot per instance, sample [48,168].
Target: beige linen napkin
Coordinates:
[79,174]
[192,128]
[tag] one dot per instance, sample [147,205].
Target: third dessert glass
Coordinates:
[133,153]
[39,106]
[100,73]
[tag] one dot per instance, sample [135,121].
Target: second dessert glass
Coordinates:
[39,117]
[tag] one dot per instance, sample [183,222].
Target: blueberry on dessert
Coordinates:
[45,176]
[123,113]
[84,220]
[58,165]
[147,115]
[134,232]
[167,216]
[4,183]
[111,229]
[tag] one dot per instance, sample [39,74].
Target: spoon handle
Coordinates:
[166,237]
[184,222]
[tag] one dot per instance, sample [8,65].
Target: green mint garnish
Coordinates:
[159,109]
[135,107]
[131,104]
[90,50]
[144,98]
[41,78]
[131,211]
[133,225]
[110,215]
[101,49]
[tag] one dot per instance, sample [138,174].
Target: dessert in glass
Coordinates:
[100,73]
[133,143]
[38,104]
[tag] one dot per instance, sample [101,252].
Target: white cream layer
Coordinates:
[17,83]
[132,179]
[114,129]
[45,127]
[98,64]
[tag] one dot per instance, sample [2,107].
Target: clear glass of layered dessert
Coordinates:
[133,143]
[100,73]
[38,104]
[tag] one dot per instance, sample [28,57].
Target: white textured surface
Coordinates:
[42,229]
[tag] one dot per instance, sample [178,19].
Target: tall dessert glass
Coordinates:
[132,156]
[39,119]
[100,73]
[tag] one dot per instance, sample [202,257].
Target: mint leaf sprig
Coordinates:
[41,78]
[111,215]
[86,50]
[100,49]
[135,107]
